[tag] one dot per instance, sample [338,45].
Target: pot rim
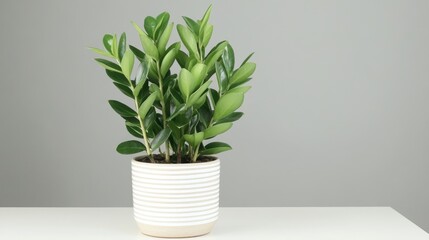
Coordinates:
[173,165]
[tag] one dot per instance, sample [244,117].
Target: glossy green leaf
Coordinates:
[101,52]
[122,46]
[109,65]
[240,89]
[188,39]
[194,26]
[124,89]
[205,18]
[194,139]
[247,59]
[163,39]
[134,130]
[149,47]
[197,94]
[147,104]
[130,147]
[142,71]
[122,109]
[182,59]
[150,25]
[160,138]
[221,76]
[186,83]
[231,117]
[115,46]
[200,101]
[118,77]
[199,71]
[227,104]
[208,31]
[107,42]
[228,59]
[242,74]
[168,61]
[215,147]
[179,109]
[216,130]
[214,96]
[139,30]
[138,53]
[214,55]
[161,23]
[127,63]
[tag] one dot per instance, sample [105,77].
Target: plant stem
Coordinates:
[194,159]
[146,142]
[164,116]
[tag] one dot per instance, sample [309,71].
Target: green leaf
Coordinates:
[242,74]
[134,130]
[186,82]
[139,54]
[194,26]
[215,147]
[182,59]
[142,71]
[161,23]
[214,55]
[124,89]
[139,30]
[115,46]
[221,76]
[163,39]
[188,39]
[199,71]
[241,89]
[149,47]
[118,77]
[194,139]
[168,61]
[147,104]
[122,109]
[122,47]
[130,147]
[150,25]
[160,138]
[107,42]
[127,63]
[109,65]
[228,59]
[214,95]
[208,31]
[231,117]
[216,130]
[247,59]
[101,52]
[227,104]
[179,109]
[205,18]
[197,94]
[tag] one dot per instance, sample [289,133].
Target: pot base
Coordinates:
[176,232]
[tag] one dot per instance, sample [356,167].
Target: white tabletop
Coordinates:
[342,223]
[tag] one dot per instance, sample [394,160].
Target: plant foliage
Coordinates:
[177,111]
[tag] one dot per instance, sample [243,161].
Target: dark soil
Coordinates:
[159,159]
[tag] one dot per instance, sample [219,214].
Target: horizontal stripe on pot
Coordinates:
[175,194]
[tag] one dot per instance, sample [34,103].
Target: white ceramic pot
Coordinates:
[175,200]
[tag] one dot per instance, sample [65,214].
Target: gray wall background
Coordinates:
[338,114]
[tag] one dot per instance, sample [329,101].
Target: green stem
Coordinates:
[164,116]
[194,159]
[146,142]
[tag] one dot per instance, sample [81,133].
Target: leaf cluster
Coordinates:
[175,113]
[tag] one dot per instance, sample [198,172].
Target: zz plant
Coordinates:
[179,111]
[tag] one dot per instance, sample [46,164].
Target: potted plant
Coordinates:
[175,117]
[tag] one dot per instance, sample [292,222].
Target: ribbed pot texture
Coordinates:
[175,200]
